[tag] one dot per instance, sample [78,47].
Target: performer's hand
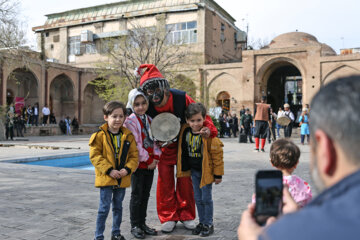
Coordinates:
[152,165]
[218,180]
[115,174]
[205,132]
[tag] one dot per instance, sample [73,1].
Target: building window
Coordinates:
[182,33]
[78,48]
[235,40]
[222,33]
[74,45]
[90,48]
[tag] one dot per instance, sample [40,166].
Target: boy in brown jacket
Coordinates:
[114,154]
[202,158]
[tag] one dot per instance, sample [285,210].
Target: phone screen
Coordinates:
[269,188]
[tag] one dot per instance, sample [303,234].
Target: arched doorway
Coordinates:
[62,102]
[22,85]
[93,104]
[223,101]
[284,85]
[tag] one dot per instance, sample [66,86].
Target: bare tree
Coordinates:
[12,36]
[259,43]
[11,33]
[151,45]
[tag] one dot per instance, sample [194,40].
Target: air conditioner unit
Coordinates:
[86,36]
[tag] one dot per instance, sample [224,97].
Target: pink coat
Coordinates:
[132,123]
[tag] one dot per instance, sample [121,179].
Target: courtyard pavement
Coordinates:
[38,202]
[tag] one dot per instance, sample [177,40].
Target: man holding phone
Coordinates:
[335,169]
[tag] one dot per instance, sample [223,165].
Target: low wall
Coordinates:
[53,129]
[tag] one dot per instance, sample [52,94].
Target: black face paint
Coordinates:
[155,92]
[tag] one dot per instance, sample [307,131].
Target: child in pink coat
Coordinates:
[284,155]
[149,153]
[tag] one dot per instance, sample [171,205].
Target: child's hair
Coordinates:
[111,106]
[284,154]
[195,108]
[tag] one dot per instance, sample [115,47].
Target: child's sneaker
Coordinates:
[207,230]
[198,229]
[262,150]
[256,150]
[117,237]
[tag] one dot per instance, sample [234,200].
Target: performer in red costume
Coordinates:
[172,204]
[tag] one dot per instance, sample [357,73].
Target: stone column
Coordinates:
[79,117]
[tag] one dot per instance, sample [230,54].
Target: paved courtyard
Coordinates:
[38,202]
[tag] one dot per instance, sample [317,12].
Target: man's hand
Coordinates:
[205,132]
[248,228]
[218,180]
[115,174]
[123,172]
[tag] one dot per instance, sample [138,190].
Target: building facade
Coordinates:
[78,37]
[291,69]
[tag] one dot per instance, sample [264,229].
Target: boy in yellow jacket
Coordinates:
[114,154]
[202,158]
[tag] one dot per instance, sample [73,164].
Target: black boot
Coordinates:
[198,229]
[207,230]
[118,237]
[147,230]
[137,232]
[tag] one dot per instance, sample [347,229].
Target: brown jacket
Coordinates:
[262,112]
[102,156]
[212,162]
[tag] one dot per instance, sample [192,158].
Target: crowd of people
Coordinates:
[16,121]
[124,153]
[264,124]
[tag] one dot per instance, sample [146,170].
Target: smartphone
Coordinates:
[268,191]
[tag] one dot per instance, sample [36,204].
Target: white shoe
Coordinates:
[168,227]
[189,224]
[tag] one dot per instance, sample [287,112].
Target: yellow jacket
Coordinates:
[102,156]
[212,162]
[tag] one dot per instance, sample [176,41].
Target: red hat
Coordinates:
[151,72]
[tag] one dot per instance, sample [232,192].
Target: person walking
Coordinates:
[235,127]
[262,121]
[246,123]
[304,126]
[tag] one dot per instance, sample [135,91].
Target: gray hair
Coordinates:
[335,109]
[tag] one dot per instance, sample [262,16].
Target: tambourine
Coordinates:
[165,127]
[283,121]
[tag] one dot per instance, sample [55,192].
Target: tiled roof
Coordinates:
[127,8]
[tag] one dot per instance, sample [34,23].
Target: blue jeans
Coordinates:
[108,195]
[203,199]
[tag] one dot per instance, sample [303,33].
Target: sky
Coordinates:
[333,22]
